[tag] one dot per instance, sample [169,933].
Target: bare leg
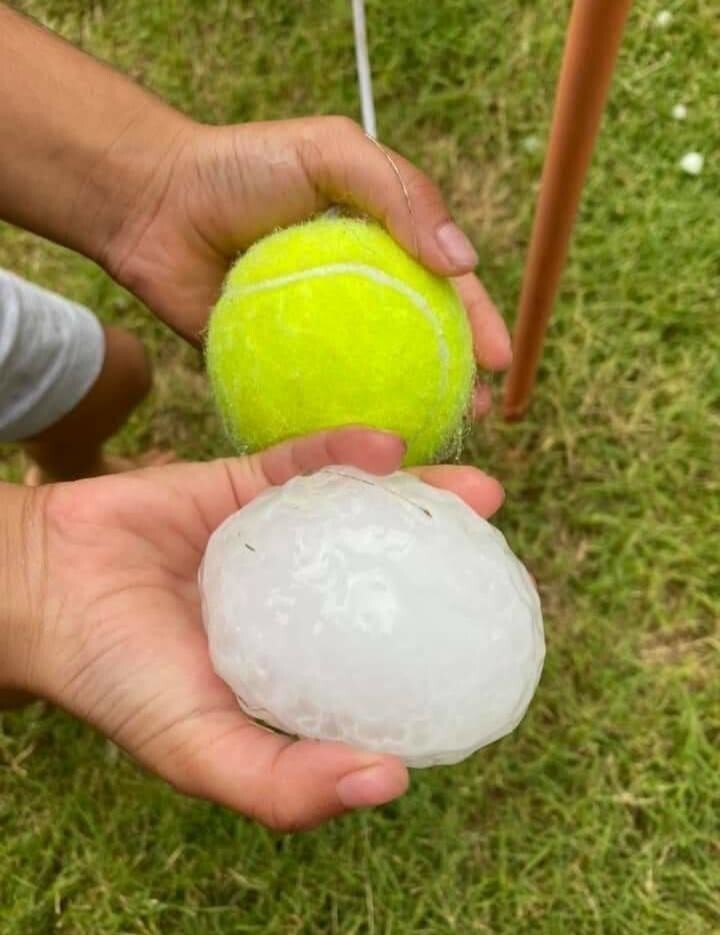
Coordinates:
[72,447]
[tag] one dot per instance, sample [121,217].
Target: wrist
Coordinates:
[127,181]
[22,573]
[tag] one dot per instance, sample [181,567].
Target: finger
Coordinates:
[482,401]
[224,486]
[481,492]
[373,451]
[491,339]
[285,785]
[348,167]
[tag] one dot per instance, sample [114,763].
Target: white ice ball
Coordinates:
[692,163]
[382,612]
[679,112]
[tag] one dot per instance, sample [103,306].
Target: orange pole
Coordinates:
[591,48]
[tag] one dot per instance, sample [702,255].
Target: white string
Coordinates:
[363,69]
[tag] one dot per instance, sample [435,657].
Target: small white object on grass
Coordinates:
[692,163]
[379,611]
[679,111]
[531,144]
[663,19]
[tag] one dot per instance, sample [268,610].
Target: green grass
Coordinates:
[601,814]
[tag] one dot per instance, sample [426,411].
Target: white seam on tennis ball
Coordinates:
[377,276]
[369,272]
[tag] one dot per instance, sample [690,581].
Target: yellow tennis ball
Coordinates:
[331,323]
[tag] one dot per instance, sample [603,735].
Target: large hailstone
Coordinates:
[382,612]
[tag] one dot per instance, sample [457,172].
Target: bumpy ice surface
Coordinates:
[378,611]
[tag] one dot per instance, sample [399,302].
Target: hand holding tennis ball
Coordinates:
[209,193]
[331,323]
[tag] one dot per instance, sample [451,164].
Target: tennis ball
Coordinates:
[331,323]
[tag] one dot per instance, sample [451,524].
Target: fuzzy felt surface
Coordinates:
[331,323]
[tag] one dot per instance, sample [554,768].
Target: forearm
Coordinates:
[22,574]
[80,143]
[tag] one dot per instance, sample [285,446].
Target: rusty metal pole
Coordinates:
[591,48]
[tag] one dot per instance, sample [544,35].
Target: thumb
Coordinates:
[286,785]
[349,167]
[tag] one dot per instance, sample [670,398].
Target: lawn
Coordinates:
[601,814]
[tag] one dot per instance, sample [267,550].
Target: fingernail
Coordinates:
[373,785]
[456,247]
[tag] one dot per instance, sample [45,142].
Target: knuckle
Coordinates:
[280,823]
[273,813]
[265,812]
[422,189]
[343,126]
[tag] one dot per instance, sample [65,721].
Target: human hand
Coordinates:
[225,187]
[108,626]
[165,204]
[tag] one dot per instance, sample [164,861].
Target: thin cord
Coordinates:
[368,106]
[406,193]
[363,69]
